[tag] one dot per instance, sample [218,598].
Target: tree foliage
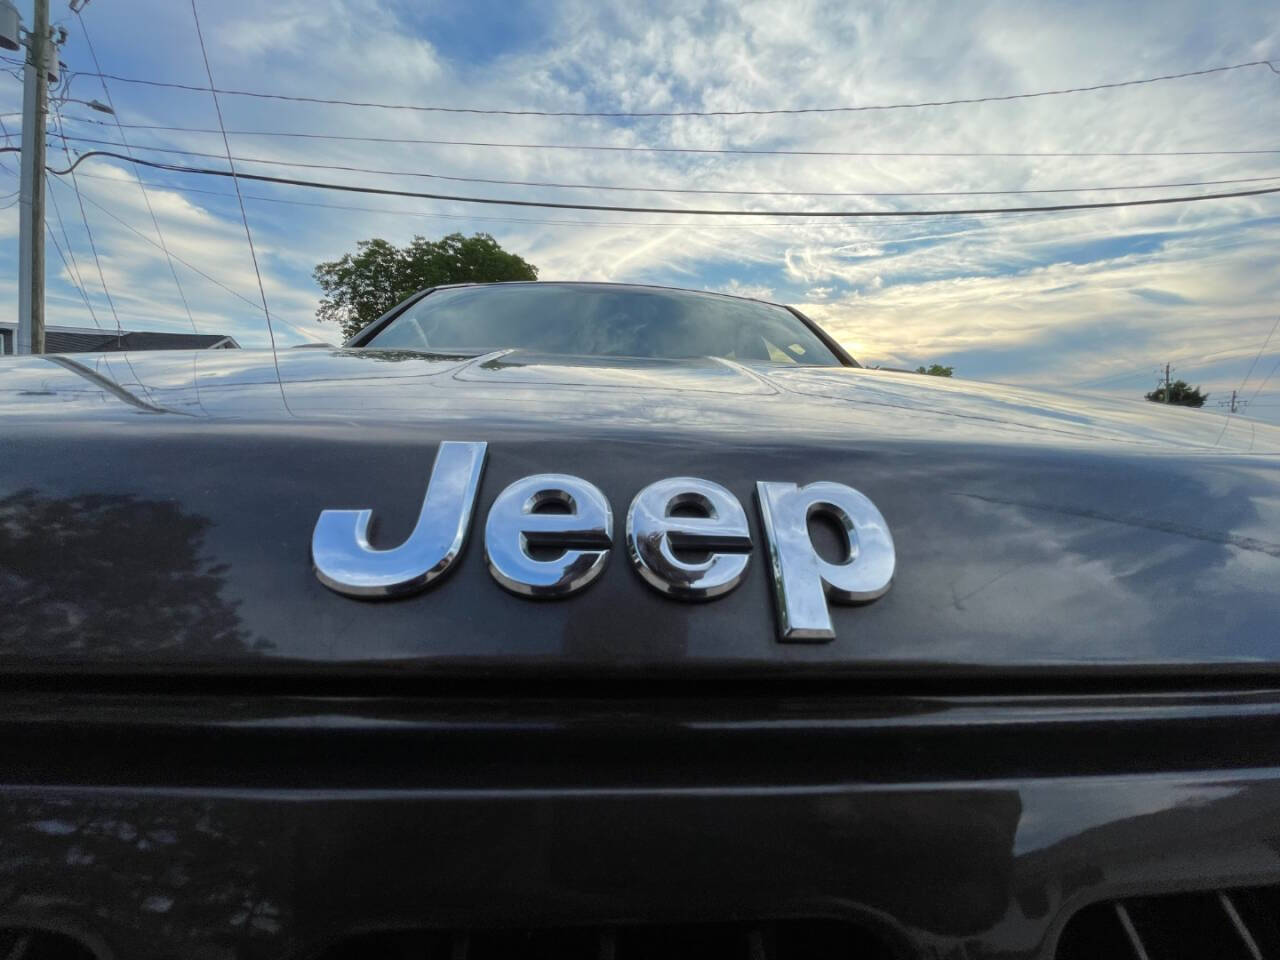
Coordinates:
[112,603]
[211,877]
[360,287]
[935,370]
[1180,393]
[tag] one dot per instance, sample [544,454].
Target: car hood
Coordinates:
[156,512]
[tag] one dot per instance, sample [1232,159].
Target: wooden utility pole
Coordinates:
[1235,405]
[35,107]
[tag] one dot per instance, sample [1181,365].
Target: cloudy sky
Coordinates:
[1089,299]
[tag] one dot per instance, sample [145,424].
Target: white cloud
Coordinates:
[756,291]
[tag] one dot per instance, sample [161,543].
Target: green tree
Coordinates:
[362,286]
[169,600]
[1180,393]
[935,370]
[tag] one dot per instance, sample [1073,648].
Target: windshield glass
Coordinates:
[614,321]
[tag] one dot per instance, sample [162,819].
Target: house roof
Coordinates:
[66,341]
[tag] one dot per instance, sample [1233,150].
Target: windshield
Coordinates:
[604,320]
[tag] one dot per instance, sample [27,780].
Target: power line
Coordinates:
[1245,381]
[637,114]
[1127,375]
[1258,355]
[8,142]
[78,280]
[93,247]
[186,263]
[680,190]
[465,217]
[244,217]
[1265,381]
[75,274]
[124,223]
[688,211]
[720,151]
[446,216]
[155,222]
[190,266]
[74,266]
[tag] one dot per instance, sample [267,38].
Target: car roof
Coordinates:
[604,283]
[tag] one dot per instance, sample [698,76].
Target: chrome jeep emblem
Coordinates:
[800,576]
[653,534]
[345,561]
[659,530]
[584,535]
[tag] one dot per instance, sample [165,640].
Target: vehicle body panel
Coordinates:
[1032,532]
[1068,694]
[271,827]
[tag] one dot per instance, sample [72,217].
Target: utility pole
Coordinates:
[1167,390]
[35,107]
[1233,404]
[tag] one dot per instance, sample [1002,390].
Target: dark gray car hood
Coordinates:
[156,513]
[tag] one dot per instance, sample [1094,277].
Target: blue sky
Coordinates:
[1092,299]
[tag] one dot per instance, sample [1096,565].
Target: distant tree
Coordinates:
[112,604]
[362,286]
[1180,393]
[935,370]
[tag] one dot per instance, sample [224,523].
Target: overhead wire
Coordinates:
[75,281]
[640,114]
[244,217]
[53,196]
[469,218]
[684,211]
[74,266]
[677,190]
[1127,375]
[718,151]
[155,222]
[236,175]
[71,250]
[93,247]
[186,263]
[78,275]
[8,142]
[1243,383]
[78,281]
[1258,356]
[1265,381]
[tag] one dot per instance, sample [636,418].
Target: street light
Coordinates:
[91,104]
